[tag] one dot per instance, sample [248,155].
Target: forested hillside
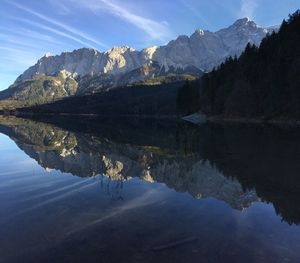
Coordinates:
[264,82]
[154,100]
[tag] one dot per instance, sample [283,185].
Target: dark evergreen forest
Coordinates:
[264,82]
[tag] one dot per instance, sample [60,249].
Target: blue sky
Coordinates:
[30,28]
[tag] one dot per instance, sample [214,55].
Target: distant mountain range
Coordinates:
[86,71]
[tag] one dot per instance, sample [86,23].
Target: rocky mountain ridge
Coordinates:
[202,50]
[90,71]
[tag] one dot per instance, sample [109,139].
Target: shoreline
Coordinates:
[193,118]
[290,122]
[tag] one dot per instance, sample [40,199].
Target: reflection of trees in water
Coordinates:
[266,159]
[258,157]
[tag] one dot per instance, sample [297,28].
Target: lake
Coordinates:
[141,190]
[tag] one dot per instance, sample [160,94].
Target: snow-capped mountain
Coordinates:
[202,50]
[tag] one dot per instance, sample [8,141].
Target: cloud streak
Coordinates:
[60,7]
[19,37]
[55,31]
[195,12]
[156,30]
[248,8]
[15,58]
[69,29]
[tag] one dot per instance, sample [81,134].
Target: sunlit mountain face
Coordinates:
[163,187]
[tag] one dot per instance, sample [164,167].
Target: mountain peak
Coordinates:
[121,49]
[199,32]
[203,50]
[182,38]
[47,55]
[243,21]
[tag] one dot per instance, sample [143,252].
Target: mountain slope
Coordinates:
[95,71]
[203,50]
[39,90]
[139,100]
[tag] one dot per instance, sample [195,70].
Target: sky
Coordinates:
[31,28]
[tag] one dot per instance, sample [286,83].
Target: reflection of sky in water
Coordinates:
[12,157]
[6,144]
[49,216]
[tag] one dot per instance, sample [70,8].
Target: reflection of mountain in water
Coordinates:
[86,154]
[224,162]
[263,158]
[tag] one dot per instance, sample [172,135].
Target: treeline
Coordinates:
[150,100]
[264,82]
[188,98]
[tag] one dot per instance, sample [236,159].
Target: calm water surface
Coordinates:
[148,191]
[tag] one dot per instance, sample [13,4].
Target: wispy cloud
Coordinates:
[55,31]
[12,42]
[60,7]
[248,8]
[195,11]
[69,29]
[156,30]
[39,36]
[19,36]
[16,58]
[9,49]
[146,199]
